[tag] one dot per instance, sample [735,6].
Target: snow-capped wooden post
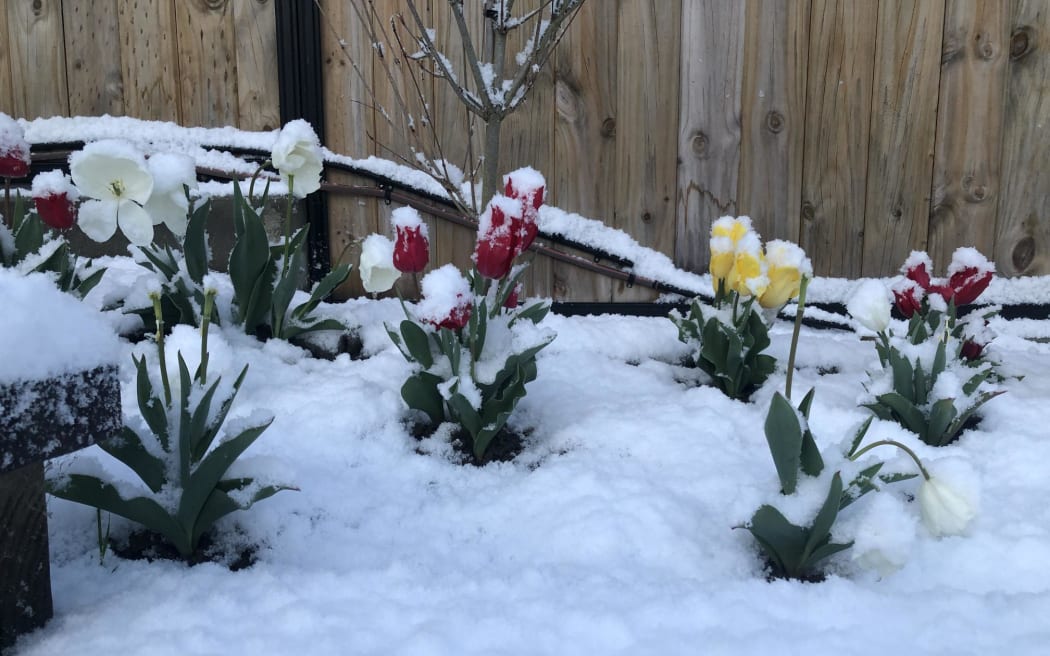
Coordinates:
[59,392]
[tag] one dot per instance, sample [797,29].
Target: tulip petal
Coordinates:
[98,219]
[135,223]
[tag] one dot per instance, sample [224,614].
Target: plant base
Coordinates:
[150,546]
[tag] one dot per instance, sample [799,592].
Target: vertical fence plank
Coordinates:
[584,176]
[903,131]
[1023,227]
[709,123]
[647,70]
[773,116]
[969,127]
[92,32]
[38,58]
[526,138]
[255,30]
[7,99]
[349,121]
[838,106]
[207,61]
[149,58]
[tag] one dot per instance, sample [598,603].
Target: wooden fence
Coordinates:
[863,129]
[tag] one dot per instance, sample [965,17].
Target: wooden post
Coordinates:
[38,420]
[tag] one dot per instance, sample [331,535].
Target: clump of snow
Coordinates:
[408,218]
[444,289]
[45,332]
[54,183]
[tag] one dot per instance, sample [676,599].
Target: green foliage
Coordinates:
[448,379]
[265,278]
[29,236]
[729,350]
[937,421]
[180,461]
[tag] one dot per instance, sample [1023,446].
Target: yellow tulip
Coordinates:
[748,277]
[787,265]
[732,228]
[722,257]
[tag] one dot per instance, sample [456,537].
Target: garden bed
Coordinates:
[612,531]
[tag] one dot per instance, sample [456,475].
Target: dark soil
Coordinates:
[150,546]
[504,447]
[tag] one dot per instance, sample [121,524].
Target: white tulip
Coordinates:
[115,174]
[870,305]
[297,155]
[376,265]
[172,173]
[945,510]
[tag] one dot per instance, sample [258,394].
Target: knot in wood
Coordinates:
[774,121]
[1023,253]
[984,48]
[37,6]
[609,127]
[1020,42]
[216,5]
[974,191]
[808,211]
[897,213]
[647,217]
[698,142]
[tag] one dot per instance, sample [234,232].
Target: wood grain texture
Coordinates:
[25,569]
[966,176]
[7,100]
[92,35]
[648,57]
[1023,228]
[149,57]
[903,132]
[584,177]
[838,106]
[207,62]
[255,29]
[38,58]
[773,115]
[349,124]
[712,36]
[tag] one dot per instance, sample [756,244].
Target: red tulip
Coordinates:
[496,249]
[411,248]
[969,275]
[56,210]
[15,162]
[513,297]
[971,349]
[908,296]
[456,318]
[917,268]
[528,186]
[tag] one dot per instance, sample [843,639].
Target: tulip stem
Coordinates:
[288,227]
[922,469]
[158,315]
[794,335]
[209,305]
[9,218]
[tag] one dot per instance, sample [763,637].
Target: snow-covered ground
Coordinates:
[612,533]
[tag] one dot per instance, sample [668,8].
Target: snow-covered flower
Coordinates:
[498,229]
[446,298]
[870,305]
[168,204]
[297,155]
[376,265]
[786,265]
[14,150]
[115,175]
[55,199]
[884,535]
[969,275]
[726,233]
[411,245]
[749,276]
[528,186]
[945,510]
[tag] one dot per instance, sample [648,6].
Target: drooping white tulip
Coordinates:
[870,305]
[297,155]
[945,510]
[376,266]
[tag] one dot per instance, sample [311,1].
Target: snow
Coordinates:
[611,533]
[54,183]
[47,333]
[408,218]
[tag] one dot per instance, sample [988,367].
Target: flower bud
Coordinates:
[411,246]
[528,186]
[917,268]
[869,306]
[787,264]
[495,249]
[908,296]
[945,510]
[971,350]
[297,154]
[55,199]
[446,299]
[514,296]
[376,265]
[14,150]
[749,274]
[969,275]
